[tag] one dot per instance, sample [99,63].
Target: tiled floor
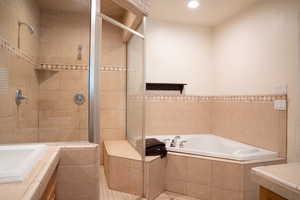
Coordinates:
[108,194]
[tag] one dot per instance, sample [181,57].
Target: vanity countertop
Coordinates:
[58,153]
[282,179]
[34,184]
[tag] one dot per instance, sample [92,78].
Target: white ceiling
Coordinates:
[209,13]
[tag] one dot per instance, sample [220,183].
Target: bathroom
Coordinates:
[86,84]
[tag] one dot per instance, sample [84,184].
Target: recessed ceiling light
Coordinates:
[193,4]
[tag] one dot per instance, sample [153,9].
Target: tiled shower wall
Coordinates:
[60,119]
[18,123]
[241,118]
[51,88]
[113,85]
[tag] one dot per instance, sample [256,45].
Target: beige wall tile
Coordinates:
[198,191]
[49,80]
[218,194]
[114,50]
[245,122]
[79,156]
[176,168]
[113,134]
[113,100]
[19,124]
[177,117]
[58,119]
[73,30]
[199,171]
[176,186]
[155,178]
[111,119]
[113,81]
[125,175]
[59,134]
[227,176]
[74,181]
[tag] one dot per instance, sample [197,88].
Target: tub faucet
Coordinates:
[181,144]
[166,140]
[174,141]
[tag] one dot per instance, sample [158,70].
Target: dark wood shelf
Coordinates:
[166,86]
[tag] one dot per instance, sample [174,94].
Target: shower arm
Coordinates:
[31,29]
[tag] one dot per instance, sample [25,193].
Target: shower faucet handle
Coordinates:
[19,97]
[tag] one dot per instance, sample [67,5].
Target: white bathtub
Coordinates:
[215,146]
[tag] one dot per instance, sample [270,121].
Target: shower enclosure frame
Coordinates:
[94,71]
[94,133]
[94,65]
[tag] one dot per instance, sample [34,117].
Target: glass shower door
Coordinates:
[135,99]
[135,92]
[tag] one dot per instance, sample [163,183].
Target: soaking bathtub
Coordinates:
[215,146]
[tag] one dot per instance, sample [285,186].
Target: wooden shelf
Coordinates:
[166,86]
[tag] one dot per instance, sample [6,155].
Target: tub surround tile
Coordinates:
[176,186]
[212,178]
[218,194]
[245,123]
[155,178]
[199,171]
[77,180]
[78,172]
[177,117]
[198,191]
[227,176]
[123,167]
[174,171]
[79,156]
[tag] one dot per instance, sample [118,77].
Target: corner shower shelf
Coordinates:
[166,86]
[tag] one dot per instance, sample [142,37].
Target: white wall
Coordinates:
[253,52]
[258,50]
[178,53]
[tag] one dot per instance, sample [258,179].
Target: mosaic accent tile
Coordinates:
[52,66]
[58,67]
[15,51]
[196,99]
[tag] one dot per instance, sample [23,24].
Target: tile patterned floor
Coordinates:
[108,194]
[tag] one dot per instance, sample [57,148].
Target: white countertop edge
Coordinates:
[36,188]
[279,180]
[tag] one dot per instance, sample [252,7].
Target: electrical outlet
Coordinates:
[280,105]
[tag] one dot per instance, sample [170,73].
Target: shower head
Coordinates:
[31,29]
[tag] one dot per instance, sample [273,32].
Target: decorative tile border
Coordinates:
[60,67]
[50,66]
[198,99]
[15,51]
[113,68]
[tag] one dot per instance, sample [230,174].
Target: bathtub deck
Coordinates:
[108,194]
